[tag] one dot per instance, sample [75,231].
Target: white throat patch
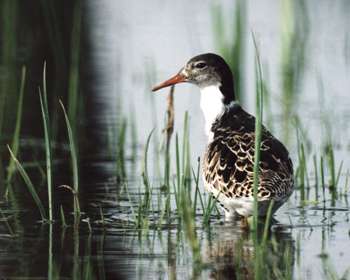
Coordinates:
[212,106]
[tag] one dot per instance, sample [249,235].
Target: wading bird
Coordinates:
[229,158]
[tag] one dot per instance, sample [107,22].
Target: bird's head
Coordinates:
[204,70]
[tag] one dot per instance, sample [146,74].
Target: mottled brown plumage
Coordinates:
[229,159]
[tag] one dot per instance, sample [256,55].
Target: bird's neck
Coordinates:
[213,104]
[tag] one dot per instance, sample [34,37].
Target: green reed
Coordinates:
[73,80]
[267,223]
[273,260]
[9,194]
[144,174]
[47,137]
[121,147]
[63,217]
[133,135]
[185,175]
[186,157]
[333,171]
[183,165]
[150,76]
[117,137]
[197,195]
[331,165]
[189,224]
[230,41]
[261,270]
[145,201]
[54,34]
[209,208]
[295,29]
[74,160]
[258,131]
[322,177]
[16,134]
[8,23]
[346,184]
[50,265]
[301,175]
[82,257]
[302,172]
[186,208]
[267,114]
[178,172]
[29,184]
[327,161]
[8,83]
[314,160]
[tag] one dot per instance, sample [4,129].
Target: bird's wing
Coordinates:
[229,162]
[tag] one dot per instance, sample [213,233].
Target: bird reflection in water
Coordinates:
[232,253]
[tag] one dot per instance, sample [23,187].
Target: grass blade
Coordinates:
[73,85]
[258,127]
[145,176]
[267,222]
[46,122]
[74,159]
[29,184]
[63,217]
[15,140]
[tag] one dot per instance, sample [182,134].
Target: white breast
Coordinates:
[212,106]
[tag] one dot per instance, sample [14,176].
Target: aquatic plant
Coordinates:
[229,40]
[74,159]
[258,129]
[29,185]
[16,134]
[47,137]
[295,27]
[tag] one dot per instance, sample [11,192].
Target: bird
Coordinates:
[228,160]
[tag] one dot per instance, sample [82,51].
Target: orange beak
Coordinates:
[178,78]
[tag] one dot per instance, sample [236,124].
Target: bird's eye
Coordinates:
[200,65]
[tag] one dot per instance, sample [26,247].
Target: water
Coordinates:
[131,47]
[145,45]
